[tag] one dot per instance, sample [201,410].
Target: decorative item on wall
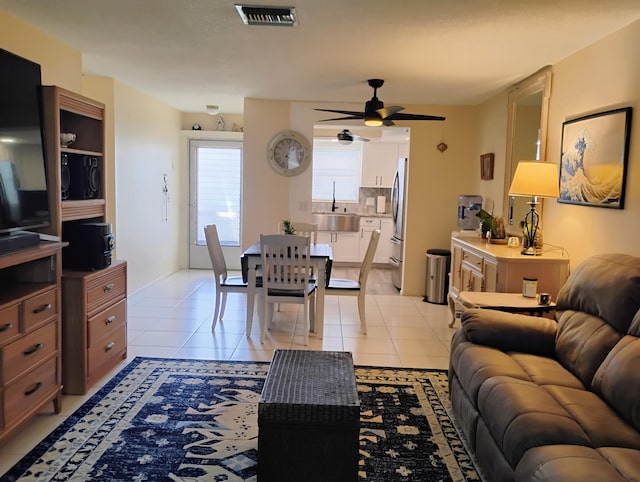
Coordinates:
[289,153]
[442,146]
[595,150]
[196,127]
[486,166]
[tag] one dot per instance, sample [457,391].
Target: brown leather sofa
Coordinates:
[545,400]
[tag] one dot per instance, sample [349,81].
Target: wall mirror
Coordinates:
[528,103]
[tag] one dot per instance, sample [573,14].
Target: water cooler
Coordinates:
[468,206]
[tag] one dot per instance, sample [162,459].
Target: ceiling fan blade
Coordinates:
[389,111]
[340,118]
[415,117]
[387,122]
[362,139]
[359,115]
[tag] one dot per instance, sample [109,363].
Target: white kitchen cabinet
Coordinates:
[367,226]
[379,162]
[344,244]
[383,251]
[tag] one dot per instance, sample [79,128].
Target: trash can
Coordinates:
[437,282]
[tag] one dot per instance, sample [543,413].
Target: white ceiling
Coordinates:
[190,53]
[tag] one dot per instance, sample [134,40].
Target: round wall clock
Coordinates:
[289,153]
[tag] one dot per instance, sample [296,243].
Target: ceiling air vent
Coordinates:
[263,15]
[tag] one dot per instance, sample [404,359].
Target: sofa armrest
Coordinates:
[510,332]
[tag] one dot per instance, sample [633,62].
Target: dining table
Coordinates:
[321,259]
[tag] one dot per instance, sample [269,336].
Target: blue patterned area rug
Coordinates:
[196,420]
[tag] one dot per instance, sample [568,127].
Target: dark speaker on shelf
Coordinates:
[65,177]
[86,176]
[90,246]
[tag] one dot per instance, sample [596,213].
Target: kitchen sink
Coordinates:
[336,222]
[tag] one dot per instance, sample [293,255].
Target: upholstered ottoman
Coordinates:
[309,418]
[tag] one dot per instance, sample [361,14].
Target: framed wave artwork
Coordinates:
[593,163]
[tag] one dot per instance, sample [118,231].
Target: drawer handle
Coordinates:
[36,348]
[107,288]
[37,387]
[110,346]
[109,320]
[42,308]
[6,327]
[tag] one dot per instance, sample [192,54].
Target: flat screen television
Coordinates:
[24,202]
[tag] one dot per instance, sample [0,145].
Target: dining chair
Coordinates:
[286,277]
[224,283]
[303,229]
[342,287]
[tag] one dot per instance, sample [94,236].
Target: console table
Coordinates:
[477,265]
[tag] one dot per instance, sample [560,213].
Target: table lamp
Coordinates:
[535,179]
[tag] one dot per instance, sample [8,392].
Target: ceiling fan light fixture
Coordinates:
[345,137]
[213,109]
[372,117]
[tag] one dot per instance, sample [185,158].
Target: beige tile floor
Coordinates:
[172,318]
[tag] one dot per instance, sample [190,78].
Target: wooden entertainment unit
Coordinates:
[94,330]
[30,333]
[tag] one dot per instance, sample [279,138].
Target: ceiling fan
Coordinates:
[347,137]
[376,114]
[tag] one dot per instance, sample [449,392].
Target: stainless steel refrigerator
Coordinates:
[398,208]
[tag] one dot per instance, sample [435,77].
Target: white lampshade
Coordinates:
[535,178]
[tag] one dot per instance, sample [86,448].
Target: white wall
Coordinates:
[603,76]
[492,120]
[147,139]
[59,64]
[436,179]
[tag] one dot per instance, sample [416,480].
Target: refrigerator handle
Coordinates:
[394,198]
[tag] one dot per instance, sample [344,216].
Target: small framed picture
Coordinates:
[486,166]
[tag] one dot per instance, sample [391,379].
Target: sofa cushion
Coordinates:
[626,461]
[545,371]
[569,463]
[474,364]
[583,342]
[595,308]
[618,379]
[521,415]
[606,286]
[602,424]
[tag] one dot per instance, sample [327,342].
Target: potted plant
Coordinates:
[491,224]
[288,227]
